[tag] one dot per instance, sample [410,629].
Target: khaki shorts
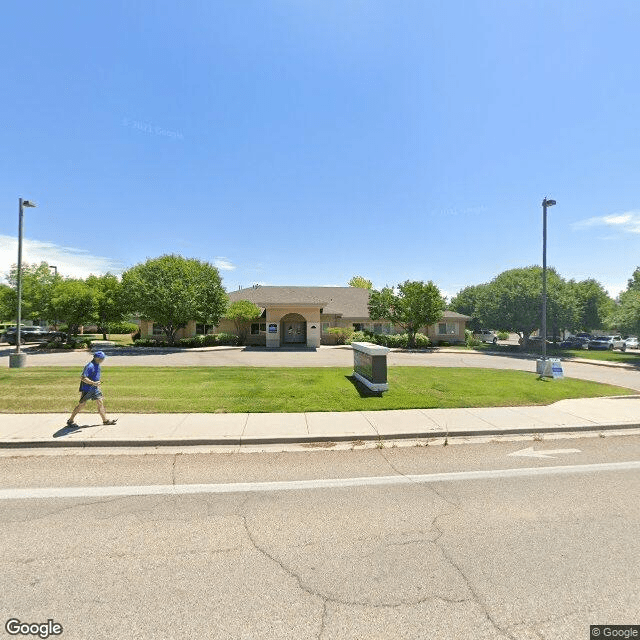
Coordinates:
[93,394]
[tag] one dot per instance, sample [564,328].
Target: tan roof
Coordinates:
[454,315]
[349,302]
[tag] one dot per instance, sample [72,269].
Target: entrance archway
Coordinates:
[293,329]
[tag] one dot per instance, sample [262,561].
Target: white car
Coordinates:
[631,342]
[484,335]
[618,343]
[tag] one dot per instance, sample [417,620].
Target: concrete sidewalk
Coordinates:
[49,430]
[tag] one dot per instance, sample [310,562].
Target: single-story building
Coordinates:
[303,316]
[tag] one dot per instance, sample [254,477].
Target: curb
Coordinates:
[413,435]
[532,357]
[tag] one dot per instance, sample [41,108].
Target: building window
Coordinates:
[358,326]
[157,330]
[325,327]
[258,327]
[204,329]
[447,328]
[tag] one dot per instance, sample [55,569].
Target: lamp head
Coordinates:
[548,203]
[28,203]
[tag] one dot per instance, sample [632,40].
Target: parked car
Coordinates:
[602,342]
[4,327]
[537,340]
[588,336]
[631,342]
[34,334]
[484,335]
[619,343]
[574,342]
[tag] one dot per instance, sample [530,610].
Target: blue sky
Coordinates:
[302,142]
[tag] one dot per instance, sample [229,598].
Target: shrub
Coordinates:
[503,335]
[209,340]
[145,342]
[397,341]
[422,341]
[359,336]
[343,335]
[470,340]
[229,339]
[122,327]
[444,343]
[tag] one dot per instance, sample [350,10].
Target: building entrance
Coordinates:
[293,329]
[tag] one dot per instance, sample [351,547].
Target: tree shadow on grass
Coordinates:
[362,390]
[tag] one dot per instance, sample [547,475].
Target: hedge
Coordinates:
[209,340]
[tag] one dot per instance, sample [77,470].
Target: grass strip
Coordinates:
[284,390]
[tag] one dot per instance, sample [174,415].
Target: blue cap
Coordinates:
[99,354]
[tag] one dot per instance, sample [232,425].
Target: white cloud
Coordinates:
[71,262]
[628,222]
[224,264]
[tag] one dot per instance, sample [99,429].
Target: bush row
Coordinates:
[210,340]
[76,343]
[117,328]
[122,328]
[396,341]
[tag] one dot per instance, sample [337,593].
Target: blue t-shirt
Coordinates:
[91,371]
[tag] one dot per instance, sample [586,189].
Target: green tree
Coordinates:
[110,306]
[593,304]
[172,290]
[8,307]
[74,302]
[633,284]
[625,316]
[513,302]
[467,302]
[361,282]
[37,289]
[415,304]
[242,312]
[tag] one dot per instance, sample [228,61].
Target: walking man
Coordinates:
[90,389]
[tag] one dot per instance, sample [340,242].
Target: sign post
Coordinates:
[370,365]
[550,368]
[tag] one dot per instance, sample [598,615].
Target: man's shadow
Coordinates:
[66,430]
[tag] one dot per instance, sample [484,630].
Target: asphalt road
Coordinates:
[326,357]
[493,555]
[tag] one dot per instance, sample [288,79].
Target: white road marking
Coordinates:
[298,485]
[529,452]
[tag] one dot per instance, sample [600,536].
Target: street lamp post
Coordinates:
[18,359]
[545,203]
[55,276]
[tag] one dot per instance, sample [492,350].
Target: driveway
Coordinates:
[325,356]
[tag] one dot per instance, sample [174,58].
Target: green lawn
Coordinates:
[235,389]
[608,356]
